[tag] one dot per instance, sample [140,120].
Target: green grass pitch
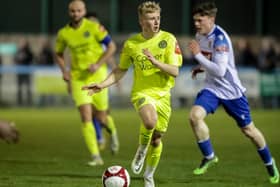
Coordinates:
[52,153]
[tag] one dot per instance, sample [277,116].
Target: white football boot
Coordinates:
[139,159]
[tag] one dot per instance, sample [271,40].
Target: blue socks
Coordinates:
[265,155]
[98,129]
[207,151]
[206,148]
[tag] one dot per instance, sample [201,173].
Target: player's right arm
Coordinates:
[107,54]
[168,68]
[217,67]
[61,63]
[60,46]
[111,79]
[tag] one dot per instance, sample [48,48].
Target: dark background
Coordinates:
[240,17]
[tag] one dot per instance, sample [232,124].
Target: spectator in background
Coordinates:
[267,56]
[277,51]
[1,78]
[46,55]
[244,54]
[24,58]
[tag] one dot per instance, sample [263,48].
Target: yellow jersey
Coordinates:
[85,49]
[149,79]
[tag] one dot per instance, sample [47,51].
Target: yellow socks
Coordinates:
[90,138]
[111,125]
[153,155]
[145,135]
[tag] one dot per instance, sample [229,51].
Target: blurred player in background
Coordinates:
[112,63]
[155,57]
[88,64]
[214,53]
[8,132]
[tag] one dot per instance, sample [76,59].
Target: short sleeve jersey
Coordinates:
[149,79]
[85,48]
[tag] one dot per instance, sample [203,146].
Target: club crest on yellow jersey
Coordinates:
[162,44]
[86,34]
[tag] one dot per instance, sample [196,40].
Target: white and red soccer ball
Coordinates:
[115,176]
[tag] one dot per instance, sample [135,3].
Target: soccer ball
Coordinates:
[115,176]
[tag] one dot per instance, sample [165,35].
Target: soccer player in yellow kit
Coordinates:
[88,64]
[155,57]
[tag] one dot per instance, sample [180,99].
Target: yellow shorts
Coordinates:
[162,106]
[99,100]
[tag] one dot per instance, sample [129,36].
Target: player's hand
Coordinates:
[92,88]
[93,67]
[8,132]
[194,47]
[66,76]
[149,55]
[196,70]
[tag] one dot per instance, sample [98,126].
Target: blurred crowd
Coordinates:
[26,56]
[28,53]
[265,56]
[262,54]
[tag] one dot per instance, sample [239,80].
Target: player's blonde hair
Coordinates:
[148,7]
[77,1]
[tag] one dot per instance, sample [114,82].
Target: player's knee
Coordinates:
[150,123]
[249,131]
[101,117]
[155,142]
[195,115]
[86,118]
[156,138]
[103,121]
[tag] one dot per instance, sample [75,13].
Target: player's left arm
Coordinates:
[172,70]
[107,54]
[220,59]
